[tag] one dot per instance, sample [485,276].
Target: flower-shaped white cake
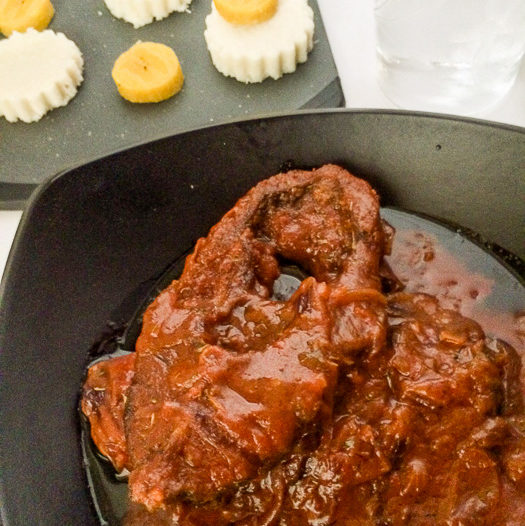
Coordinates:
[39,71]
[253,52]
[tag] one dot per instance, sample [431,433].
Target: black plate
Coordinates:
[98,121]
[92,239]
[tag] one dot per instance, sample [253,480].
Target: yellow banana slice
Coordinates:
[246,11]
[19,15]
[148,72]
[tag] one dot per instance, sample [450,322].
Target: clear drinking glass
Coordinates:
[454,56]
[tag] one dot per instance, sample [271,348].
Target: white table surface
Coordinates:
[350,28]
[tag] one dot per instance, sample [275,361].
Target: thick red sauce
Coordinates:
[422,264]
[344,404]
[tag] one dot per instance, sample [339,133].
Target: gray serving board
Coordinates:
[98,121]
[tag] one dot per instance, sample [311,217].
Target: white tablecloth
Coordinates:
[350,28]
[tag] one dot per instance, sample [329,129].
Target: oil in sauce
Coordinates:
[421,262]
